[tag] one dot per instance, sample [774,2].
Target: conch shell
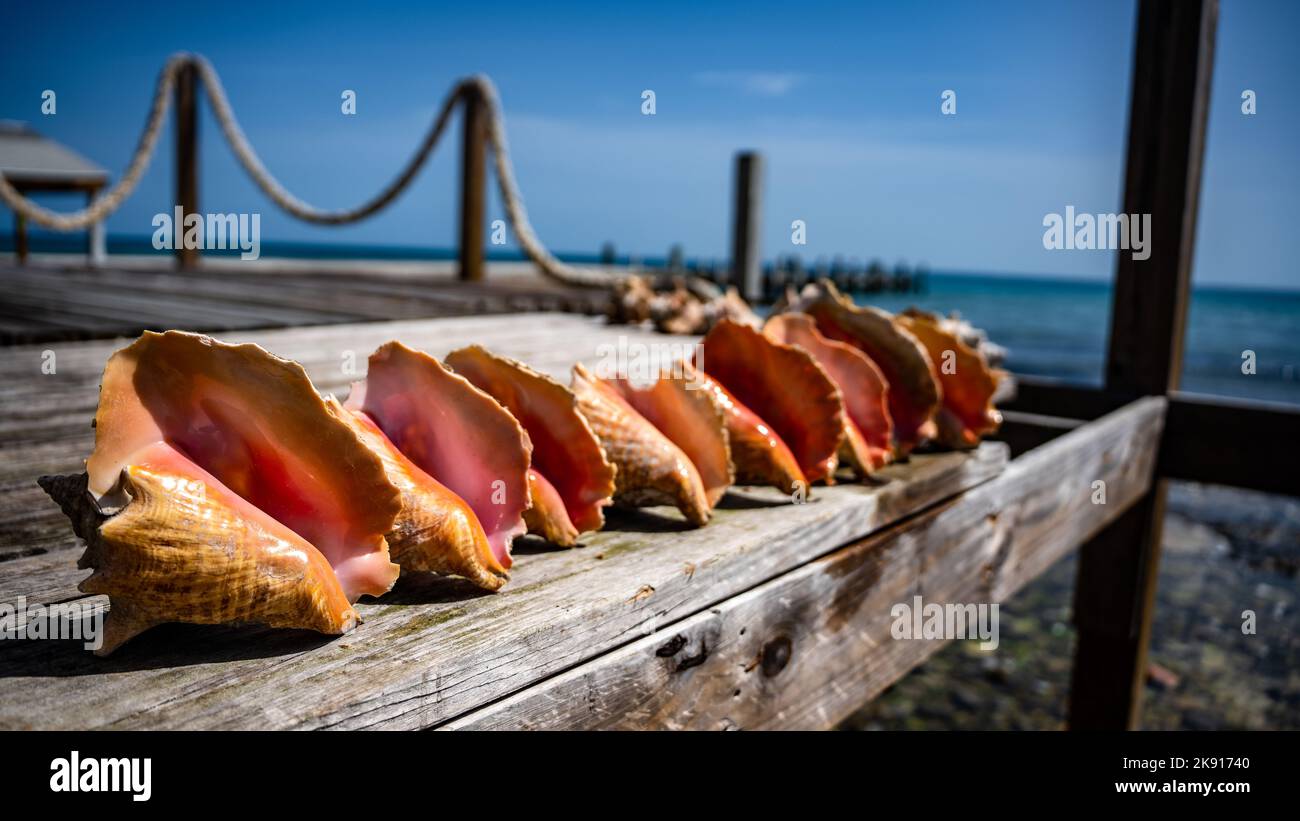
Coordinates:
[868,430]
[759,455]
[435,530]
[968,385]
[223,489]
[570,479]
[459,436]
[682,408]
[651,469]
[914,390]
[786,387]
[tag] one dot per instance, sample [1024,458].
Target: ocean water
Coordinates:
[1059,328]
[1051,327]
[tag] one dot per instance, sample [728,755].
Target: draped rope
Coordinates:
[106,204]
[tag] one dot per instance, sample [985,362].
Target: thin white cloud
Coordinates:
[761,83]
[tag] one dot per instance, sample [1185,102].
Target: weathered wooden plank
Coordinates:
[1230,442]
[433,648]
[38,304]
[807,648]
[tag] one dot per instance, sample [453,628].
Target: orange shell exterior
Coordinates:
[868,430]
[651,469]
[786,387]
[915,394]
[692,417]
[571,480]
[968,383]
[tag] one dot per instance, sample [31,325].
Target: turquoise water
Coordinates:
[1059,328]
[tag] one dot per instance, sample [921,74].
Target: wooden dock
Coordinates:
[51,302]
[774,615]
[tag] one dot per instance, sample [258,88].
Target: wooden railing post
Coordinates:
[473,184]
[1115,589]
[187,158]
[746,226]
[20,238]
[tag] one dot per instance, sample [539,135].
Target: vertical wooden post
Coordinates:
[1115,589]
[187,157]
[20,238]
[96,253]
[746,229]
[473,184]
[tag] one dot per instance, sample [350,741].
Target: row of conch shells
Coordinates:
[224,489]
[939,389]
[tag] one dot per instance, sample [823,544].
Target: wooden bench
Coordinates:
[774,615]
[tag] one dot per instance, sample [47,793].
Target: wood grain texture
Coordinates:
[39,304]
[807,648]
[432,649]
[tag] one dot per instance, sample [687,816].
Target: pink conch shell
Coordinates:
[454,432]
[651,469]
[435,530]
[222,488]
[571,479]
[868,431]
[968,384]
[914,390]
[255,423]
[786,387]
[691,416]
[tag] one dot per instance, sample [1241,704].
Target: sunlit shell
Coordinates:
[968,382]
[691,416]
[786,387]
[571,479]
[914,390]
[454,432]
[222,459]
[759,455]
[186,549]
[868,430]
[651,469]
[548,516]
[255,422]
[435,530]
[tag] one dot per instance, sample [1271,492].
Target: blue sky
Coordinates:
[842,99]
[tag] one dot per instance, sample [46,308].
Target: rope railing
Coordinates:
[109,202]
